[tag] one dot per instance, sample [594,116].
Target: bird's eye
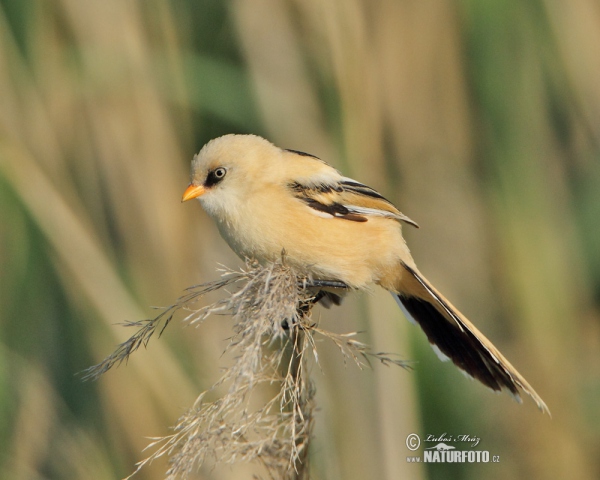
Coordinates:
[215,176]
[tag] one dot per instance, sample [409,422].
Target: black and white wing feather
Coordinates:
[346,199]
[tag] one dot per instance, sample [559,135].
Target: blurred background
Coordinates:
[481,120]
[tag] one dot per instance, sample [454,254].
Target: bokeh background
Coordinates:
[481,120]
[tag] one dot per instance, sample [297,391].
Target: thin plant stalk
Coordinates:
[272,342]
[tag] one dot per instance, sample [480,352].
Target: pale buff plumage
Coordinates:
[265,200]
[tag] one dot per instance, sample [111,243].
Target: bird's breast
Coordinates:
[357,253]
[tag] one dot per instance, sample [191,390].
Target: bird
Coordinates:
[265,200]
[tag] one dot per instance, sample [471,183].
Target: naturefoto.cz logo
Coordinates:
[449,449]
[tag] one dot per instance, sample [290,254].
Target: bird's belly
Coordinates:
[357,253]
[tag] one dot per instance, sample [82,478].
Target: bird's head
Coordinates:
[228,169]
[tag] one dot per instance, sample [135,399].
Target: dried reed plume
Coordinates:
[272,333]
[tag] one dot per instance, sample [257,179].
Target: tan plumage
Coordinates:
[265,199]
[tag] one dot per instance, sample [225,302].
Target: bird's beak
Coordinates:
[193,191]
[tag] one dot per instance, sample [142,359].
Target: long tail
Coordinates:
[455,338]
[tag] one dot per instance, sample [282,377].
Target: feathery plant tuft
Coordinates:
[273,336]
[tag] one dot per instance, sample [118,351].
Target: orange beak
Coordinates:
[193,191]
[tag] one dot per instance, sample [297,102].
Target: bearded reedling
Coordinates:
[266,200]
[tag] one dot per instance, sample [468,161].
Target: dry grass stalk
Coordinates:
[273,332]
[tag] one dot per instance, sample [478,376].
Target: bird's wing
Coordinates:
[347,199]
